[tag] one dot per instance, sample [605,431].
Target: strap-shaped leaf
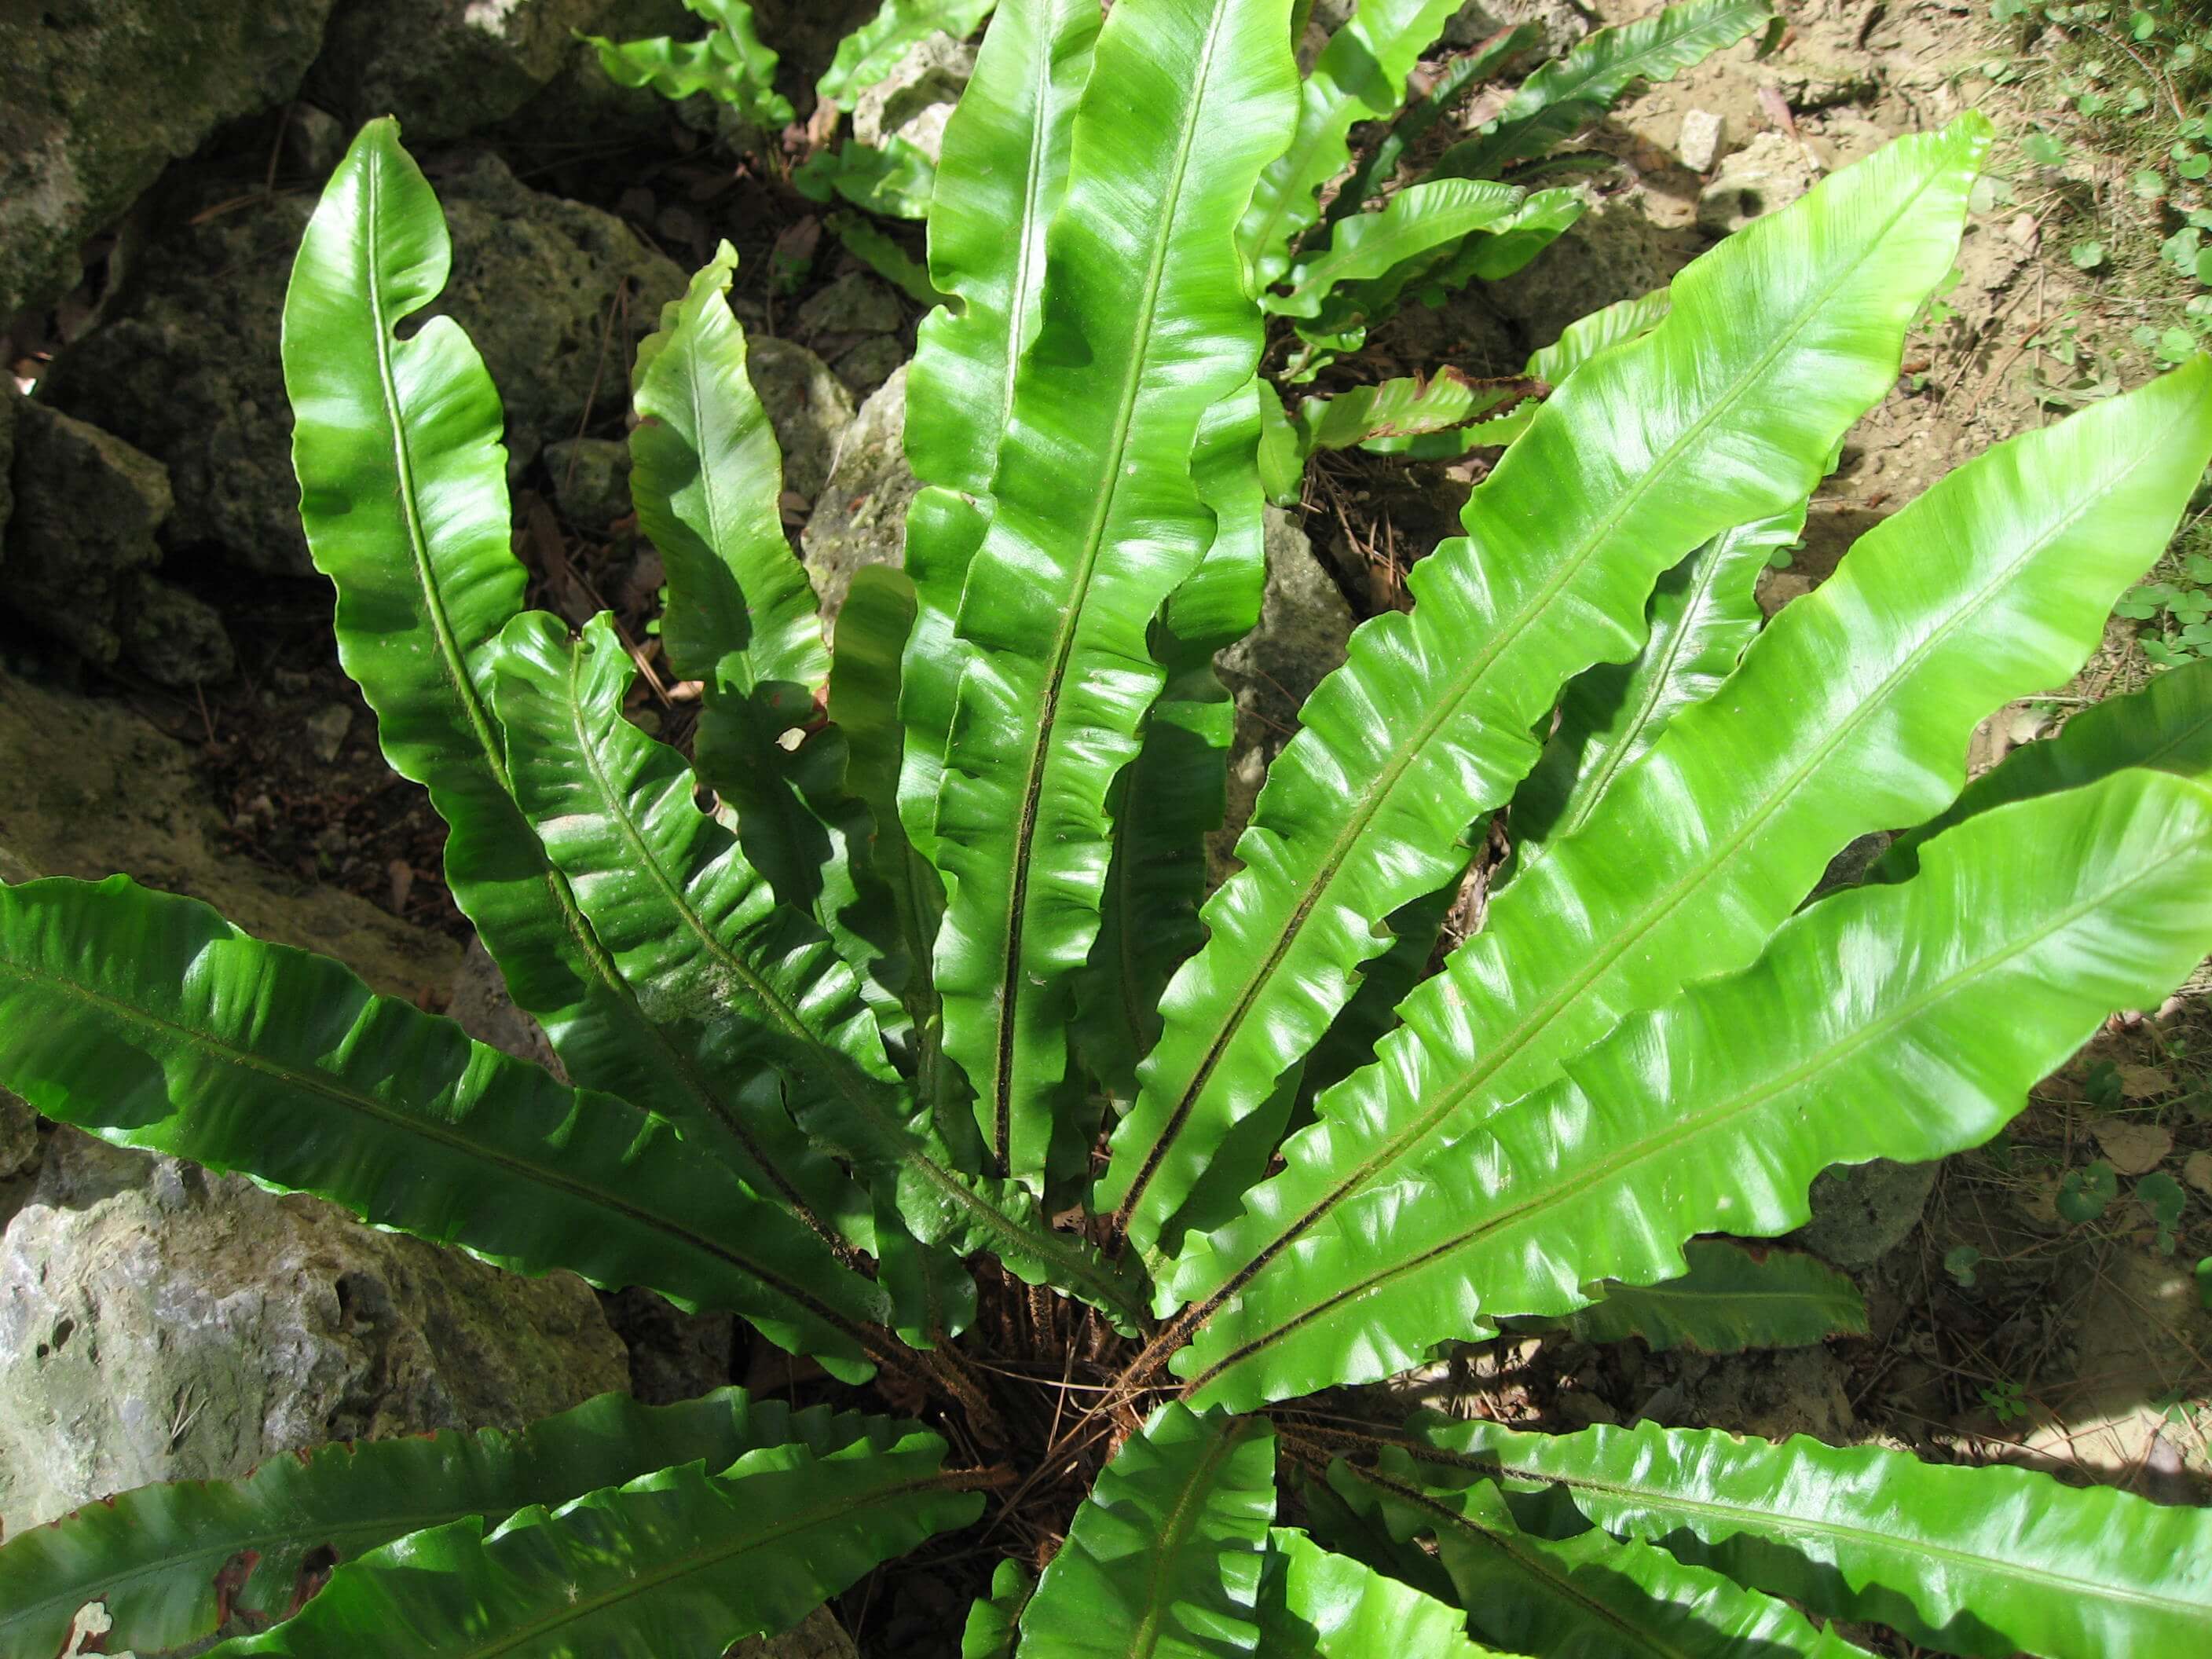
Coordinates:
[1316,1604]
[1164,1559]
[744,982]
[894,179]
[2166,726]
[1904,1022]
[1368,247]
[1095,520]
[1169,797]
[403,495]
[1851,712]
[1780,338]
[1989,1561]
[1411,407]
[152,1021]
[873,50]
[994,1621]
[1703,614]
[1731,1298]
[1360,75]
[153,1556]
[1584,1594]
[1459,77]
[1579,88]
[741,618]
[729,63]
[748,990]
[1003,171]
[679,1564]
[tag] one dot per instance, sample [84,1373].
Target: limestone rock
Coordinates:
[478,1003]
[856,324]
[158,1322]
[176,637]
[807,405]
[859,518]
[1613,251]
[187,369]
[1304,624]
[817,1636]
[915,100]
[1700,145]
[1766,174]
[86,506]
[1561,22]
[1862,1212]
[446,68]
[591,480]
[97,96]
[93,789]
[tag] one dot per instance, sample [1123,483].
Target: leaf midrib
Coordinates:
[1011,974]
[1664,1138]
[1358,822]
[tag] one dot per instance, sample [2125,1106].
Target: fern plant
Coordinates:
[918,1052]
[1328,277]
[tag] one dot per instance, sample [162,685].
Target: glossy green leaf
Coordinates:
[742,981]
[894,178]
[873,50]
[1730,1299]
[1988,1561]
[741,618]
[403,496]
[1779,339]
[1164,1559]
[729,63]
[1002,172]
[1851,711]
[884,255]
[1095,520]
[1584,338]
[152,1555]
[1459,77]
[1576,89]
[994,1621]
[678,1564]
[749,991]
[1315,1604]
[1904,1022]
[1360,75]
[1411,407]
[1167,800]
[153,1022]
[1588,1594]
[1370,245]
[1703,613]
[2166,726]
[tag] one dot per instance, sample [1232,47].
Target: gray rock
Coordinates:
[1699,144]
[1304,624]
[854,304]
[591,480]
[1562,23]
[673,1355]
[446,68]
[329,728]
[97,96]
[1613,251]
[857,324]
[915,100]
[187,369]
[580,99]
[1764,176]
[859,518]
[1862,1212]
[817,1636]
[86,506]
[807,405]
[93,789]
[176,637]
[158,1322]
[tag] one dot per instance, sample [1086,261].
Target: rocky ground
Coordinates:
[171,705]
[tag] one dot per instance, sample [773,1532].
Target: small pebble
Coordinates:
[1700,146]
[327,730]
